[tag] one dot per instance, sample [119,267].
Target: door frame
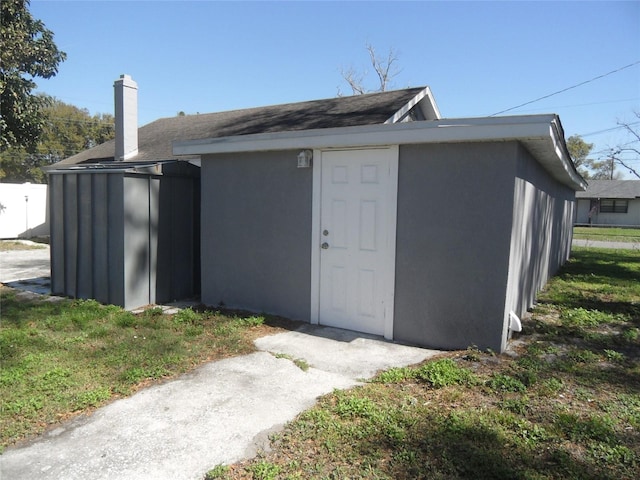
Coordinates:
[390,224]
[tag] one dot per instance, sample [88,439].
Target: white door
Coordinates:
[357,239]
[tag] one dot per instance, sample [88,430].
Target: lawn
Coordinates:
[63,358]
[609,234]
[564,405]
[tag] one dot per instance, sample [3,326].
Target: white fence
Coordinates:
[23,210]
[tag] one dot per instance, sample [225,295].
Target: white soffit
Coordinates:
[540,134]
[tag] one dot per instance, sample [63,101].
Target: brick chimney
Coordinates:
[126,113]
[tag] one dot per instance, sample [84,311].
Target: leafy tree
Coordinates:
[27,51]
[590,168]
[579,151]
[384,67]
[67,130]
[604,169]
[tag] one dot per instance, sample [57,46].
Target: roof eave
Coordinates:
[425,101]
[541,135]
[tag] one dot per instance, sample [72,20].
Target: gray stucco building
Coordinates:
[370,213]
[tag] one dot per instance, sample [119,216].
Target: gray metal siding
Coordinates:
[136,241]
[176,250]
[56,239]
[70,198]
[85,215]
[84,245]
[127,240]
[256,231]
[100,235]
[452,243]
[115,241]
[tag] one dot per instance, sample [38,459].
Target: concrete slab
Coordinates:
[21,265]
[220,413]
[354,355]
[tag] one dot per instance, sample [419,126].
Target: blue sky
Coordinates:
[478,57]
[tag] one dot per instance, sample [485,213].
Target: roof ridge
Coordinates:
[302,102]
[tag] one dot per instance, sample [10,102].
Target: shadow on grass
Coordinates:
[601,261]
[458,448]
[19,312]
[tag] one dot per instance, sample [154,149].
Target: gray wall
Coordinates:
[256,231]
[480,228]
[125,239]
[453,236]
[86,236]
[543,215]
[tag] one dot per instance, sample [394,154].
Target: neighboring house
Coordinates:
[609,202]
[369,213]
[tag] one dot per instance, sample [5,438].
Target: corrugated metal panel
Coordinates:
[136,241]
[56,215]
[125,237]
[100,235]
[70,212]
[84,248]
[115,242]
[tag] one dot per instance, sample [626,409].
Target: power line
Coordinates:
[609,129]
[568,88]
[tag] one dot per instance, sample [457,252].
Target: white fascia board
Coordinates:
[369,135]
[430,110]
[538,132]
[432,105]
[560,149]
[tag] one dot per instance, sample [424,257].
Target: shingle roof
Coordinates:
[611,189]
[155,139]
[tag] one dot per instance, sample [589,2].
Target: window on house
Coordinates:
[610,205]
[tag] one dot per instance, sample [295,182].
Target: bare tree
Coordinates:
[384,67]
[632,147]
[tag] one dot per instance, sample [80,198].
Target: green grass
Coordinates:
[567,406]
[610,234]
[62,358]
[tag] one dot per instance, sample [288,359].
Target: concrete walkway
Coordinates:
[601,244]
[222,412]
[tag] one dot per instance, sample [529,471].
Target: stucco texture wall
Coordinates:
[256,231]
[453,236]
[543,215]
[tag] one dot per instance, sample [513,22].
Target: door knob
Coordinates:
[325,245]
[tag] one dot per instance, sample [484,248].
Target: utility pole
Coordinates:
[612,167]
